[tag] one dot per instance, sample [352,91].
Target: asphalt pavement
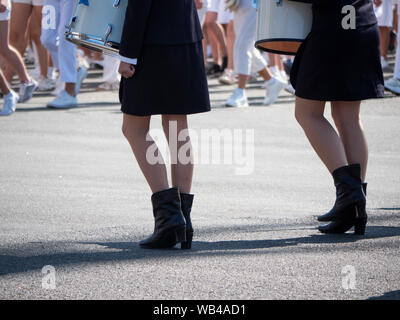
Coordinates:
[72,198]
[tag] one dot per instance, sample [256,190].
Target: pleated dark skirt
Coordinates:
[339,65]
[167,80]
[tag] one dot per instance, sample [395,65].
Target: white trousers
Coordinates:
[110,72]
[384,14]
[397,66]
[56,15]
[246,57]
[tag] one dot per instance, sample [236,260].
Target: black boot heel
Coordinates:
[359,228]
[180,234]
[361,219]
[186,205]
[188,243]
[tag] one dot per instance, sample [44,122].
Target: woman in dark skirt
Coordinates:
[339,62]
[163,72]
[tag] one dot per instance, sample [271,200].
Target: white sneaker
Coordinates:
[393,85]
[273,87]
[283,75]
[63,101]
[82,74]
[238,99]
[52,73]
[10,103]
[60,86]
[46,84]
[26,90]
[289,88]
[228,77]
[385,65]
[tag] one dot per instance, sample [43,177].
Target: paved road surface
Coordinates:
[72,196]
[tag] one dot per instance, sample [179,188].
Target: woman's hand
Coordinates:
[3,6]
[377,2]
[126,70]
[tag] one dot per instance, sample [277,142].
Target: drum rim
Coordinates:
[259,42]
[93,42]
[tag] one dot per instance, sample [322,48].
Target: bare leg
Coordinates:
[320,133]
[215,28]
[182,162]
[12,55]
[265,74]
[70,88]
[242,81]
[347,120]
[230,44]
[136,131]
[385,40]
[35,32]
[20,14]
[4,87]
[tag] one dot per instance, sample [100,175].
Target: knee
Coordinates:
[132,133]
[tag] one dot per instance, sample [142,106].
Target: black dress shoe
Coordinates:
[349,194]
[170,226]
[337,227]
[186,205]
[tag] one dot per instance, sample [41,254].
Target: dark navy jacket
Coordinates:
[328,13]
[159,22]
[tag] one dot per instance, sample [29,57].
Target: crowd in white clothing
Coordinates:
[229,28]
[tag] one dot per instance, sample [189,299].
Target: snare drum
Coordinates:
[98,25]
[282,25]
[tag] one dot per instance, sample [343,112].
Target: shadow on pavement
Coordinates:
[32,256]
[392,295]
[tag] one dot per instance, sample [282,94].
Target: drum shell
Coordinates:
[282,28]
[89,25]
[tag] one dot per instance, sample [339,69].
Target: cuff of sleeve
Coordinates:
[128,60]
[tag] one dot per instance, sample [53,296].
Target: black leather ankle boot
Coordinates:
[169,227]
[186,205]
[349,193]
[343,226]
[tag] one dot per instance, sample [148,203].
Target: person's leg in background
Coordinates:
[49,39]
[110,74]
[247,58]
[216,36]
[393,84]
[67,57]
[13,58]
[9,96]
[20,16]
[384,14]
[228,77]
[35,27]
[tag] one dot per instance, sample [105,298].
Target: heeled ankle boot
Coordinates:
[349,193]
[169,226]
[186,204]
[336,227]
